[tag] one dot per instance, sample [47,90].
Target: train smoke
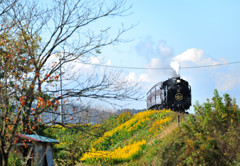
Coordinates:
[175,65]
[157,55]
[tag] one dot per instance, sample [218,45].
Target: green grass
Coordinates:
[210,137]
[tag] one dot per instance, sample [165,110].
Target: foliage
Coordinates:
[126,153]
[158,125]
[83,141]
[14,160]
[16,91]
[123,117]
[210,137]
[110,148]
[74,140]
[36,41]
[117,120]
[127,129]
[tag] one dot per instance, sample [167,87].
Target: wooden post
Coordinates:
[28,156]
[178,117]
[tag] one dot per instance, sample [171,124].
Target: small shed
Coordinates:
[35,149]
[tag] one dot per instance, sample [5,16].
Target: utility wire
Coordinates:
[204,66]
[126,67]
[161,68]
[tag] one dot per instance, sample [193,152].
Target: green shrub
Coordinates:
[14,160]
[74,141]
[211,137]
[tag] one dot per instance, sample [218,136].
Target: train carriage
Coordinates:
[174,94]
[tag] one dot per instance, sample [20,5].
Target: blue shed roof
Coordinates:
[38,138]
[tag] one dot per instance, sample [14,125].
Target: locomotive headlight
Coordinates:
[178,81]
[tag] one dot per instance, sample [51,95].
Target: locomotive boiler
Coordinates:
[174,94]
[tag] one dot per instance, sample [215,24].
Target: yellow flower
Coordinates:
[125,153]
[138,121]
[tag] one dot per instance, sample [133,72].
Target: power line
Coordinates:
[205,66]
[162,68]
[127,67]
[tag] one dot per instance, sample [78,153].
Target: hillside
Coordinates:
[128,140]
[153,137]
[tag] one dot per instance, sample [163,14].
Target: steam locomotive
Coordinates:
[174,94]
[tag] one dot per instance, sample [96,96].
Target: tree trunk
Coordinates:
[4,159]
[1,159]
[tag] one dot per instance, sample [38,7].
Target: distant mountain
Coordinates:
[132,111]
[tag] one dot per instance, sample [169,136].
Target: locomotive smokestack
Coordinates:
[175,65]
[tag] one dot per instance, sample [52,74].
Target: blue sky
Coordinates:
[193,33]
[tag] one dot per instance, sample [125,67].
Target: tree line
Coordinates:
[36,40]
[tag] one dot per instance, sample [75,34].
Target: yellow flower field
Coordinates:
[125,130]
[153,120]
[125,153]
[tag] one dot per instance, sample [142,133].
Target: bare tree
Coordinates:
[6,5]
[32,35]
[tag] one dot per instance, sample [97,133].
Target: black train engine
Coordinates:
[174,94]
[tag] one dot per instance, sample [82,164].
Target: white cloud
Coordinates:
[75,69]
[194,56]
[203,79]
[131,77]
[145,77]
[165,50]
[222,79]
[95,60]
[154,63]
[158,75]
[158,55]
[145,48]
